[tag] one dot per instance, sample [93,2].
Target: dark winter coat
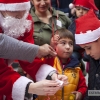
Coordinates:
[94,78]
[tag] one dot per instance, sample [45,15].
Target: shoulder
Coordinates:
[58,11]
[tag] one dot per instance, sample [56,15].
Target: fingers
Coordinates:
[64,79]
[52,51]
[46,50]
[51,90]
[51,83]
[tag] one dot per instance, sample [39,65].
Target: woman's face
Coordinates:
[41,5]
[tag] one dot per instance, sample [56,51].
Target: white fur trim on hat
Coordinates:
[15,6]
[71,6]
[87,37]
[43,72]
[19,87]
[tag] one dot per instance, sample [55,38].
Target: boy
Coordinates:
[78,9]
[88,37]
[67,65]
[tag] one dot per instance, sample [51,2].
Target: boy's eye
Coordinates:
[71,44]
[88,48]
[78,8]
[38,0]
[63,43]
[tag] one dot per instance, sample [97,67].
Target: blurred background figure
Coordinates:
[62,5]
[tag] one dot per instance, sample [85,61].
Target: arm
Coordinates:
[11,48]
[11,83]
[14,85]
[68,21]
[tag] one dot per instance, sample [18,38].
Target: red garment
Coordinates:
[8,77]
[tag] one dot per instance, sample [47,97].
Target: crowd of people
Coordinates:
[49,39]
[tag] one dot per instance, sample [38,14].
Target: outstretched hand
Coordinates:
[44,87]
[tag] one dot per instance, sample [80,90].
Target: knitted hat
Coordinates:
[88,4]
[14,5]
[87,30]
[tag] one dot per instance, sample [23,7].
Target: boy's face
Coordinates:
[64,48]
[80,11]
[92,49]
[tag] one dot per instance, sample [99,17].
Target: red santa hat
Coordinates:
[14,5]
[88,4]
[87,30]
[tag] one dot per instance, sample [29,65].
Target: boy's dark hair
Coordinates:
[64,33]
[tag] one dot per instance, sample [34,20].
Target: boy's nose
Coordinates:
[67,46]
[88,52]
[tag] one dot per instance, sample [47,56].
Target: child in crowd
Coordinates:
[78,9]
[67,65]
[88,37]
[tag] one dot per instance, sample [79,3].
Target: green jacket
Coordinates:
[42,31]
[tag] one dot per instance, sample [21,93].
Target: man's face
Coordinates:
[15,14]
[92,49]
[15,23]
[80,11]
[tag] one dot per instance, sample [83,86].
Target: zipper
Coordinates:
[62,74]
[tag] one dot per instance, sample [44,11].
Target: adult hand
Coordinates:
[46,50]
[44,87]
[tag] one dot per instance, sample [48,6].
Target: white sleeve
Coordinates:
[19,86]
[44,71]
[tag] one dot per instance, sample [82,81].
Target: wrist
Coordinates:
[39,52]
[27,94]
[31,88]
[51,75]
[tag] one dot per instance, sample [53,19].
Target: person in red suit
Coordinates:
[16,22]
